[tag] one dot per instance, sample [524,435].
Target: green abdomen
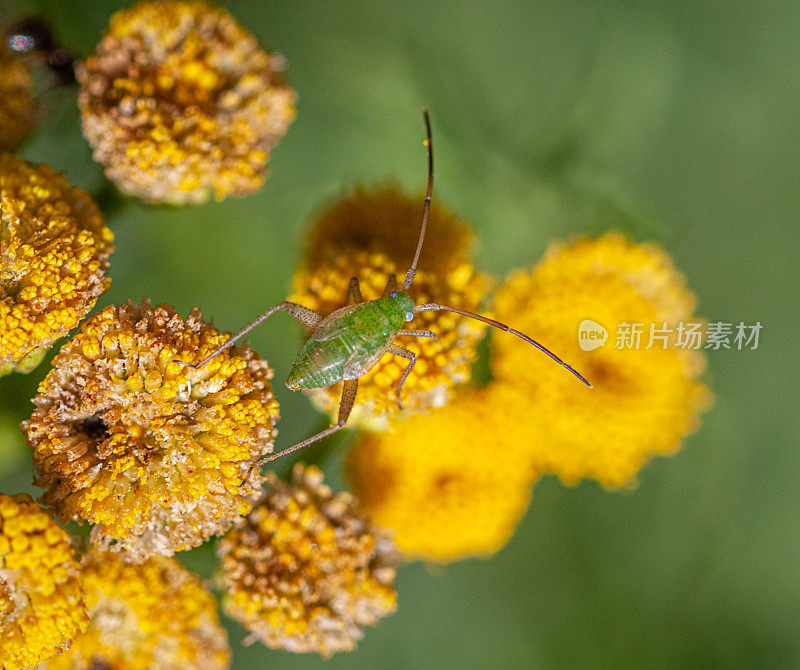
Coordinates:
[319,364]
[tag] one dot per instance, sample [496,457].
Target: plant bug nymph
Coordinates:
[348,342]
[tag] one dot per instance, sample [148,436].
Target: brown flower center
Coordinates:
[94,427]
[605,374]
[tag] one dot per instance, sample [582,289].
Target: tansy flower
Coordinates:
[451,484]
[151,451]
[384,220]
[646,398]
[179,102]
[372,235]
[53,251]
[150,616]
[307,569]
[41,604]
[17,108]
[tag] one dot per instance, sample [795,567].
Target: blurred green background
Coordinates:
[672,121]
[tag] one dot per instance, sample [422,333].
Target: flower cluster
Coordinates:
[153,452]
[307,570]
[17,109]
[41,604]
[451,484]
[372,235]
[179,102]
[150,616]
[644,402]
[53,250]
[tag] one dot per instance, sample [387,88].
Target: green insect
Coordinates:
[348,342]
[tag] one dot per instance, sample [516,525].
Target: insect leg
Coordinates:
[354,291]
[405,353]
[307,316]
[349,390]
[391,285]
[418,333]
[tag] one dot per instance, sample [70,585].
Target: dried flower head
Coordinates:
[17,108]
[53,251]
[41,604]
[179,102]
[150,616]
[307,569]
[452,484]
[151,451]
[645,400]
[372,235]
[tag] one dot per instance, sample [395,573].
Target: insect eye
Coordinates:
[393,294]
[409,316]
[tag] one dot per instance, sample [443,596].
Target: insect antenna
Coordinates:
[428,143]
[434,306]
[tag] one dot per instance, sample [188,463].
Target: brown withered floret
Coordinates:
[307,569]
[151,451]
[179,102]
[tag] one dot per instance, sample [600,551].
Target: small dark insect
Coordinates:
[32,36]
[94,427]
[348,342]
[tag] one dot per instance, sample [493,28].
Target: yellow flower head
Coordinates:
[372,235]
[452,484]
[53,251]
[17,108]
[307,570]
[179,102]
[41,604]
[644,401]
[150,616]
[383,220]
[151,451]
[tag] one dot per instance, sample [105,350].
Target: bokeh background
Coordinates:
[675,122]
